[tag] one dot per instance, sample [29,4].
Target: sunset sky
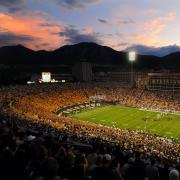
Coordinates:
[49,24]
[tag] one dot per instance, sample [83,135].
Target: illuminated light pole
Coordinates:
[132,58]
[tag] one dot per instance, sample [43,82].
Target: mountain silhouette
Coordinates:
[96,54]
[156,51]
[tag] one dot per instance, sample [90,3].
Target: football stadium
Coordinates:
[88,118]
[89,90]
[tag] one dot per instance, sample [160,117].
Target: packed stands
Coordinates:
[38,144]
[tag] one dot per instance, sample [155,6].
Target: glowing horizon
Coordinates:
[118,24]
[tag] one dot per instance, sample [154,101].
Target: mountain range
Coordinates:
[156,51]
[98,55]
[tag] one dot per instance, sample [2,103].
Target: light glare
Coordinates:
[46,76]
[132,56]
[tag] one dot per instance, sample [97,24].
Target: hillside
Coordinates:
[91,52]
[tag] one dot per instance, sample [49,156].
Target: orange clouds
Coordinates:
[152,30]
[40,32]
[44,32]
[160,22]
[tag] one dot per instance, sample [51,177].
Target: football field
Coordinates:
[158,123]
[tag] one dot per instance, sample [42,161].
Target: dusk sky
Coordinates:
[49,24]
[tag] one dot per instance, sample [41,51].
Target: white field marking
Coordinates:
[160,111]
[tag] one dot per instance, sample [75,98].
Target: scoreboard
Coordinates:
[46,77]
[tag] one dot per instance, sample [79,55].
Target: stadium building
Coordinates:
[160,81]
[83,71]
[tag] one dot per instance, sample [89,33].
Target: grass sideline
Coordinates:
[158,123]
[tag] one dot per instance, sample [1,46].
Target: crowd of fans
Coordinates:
[35,143]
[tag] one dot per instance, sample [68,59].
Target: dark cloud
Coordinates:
[123,44]
[103,21]
[13,39]
[125,21]
[159,51]
[10,2]
[76,4]
[13,5]
[74,36]
[49,24]
[42,46]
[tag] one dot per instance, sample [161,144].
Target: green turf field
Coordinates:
[132,118]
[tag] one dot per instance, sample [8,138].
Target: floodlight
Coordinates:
[132,56]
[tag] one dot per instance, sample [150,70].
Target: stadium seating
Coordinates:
[36,143]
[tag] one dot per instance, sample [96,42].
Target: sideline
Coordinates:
[160,111]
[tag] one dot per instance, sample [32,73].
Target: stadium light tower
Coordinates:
[132,58]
